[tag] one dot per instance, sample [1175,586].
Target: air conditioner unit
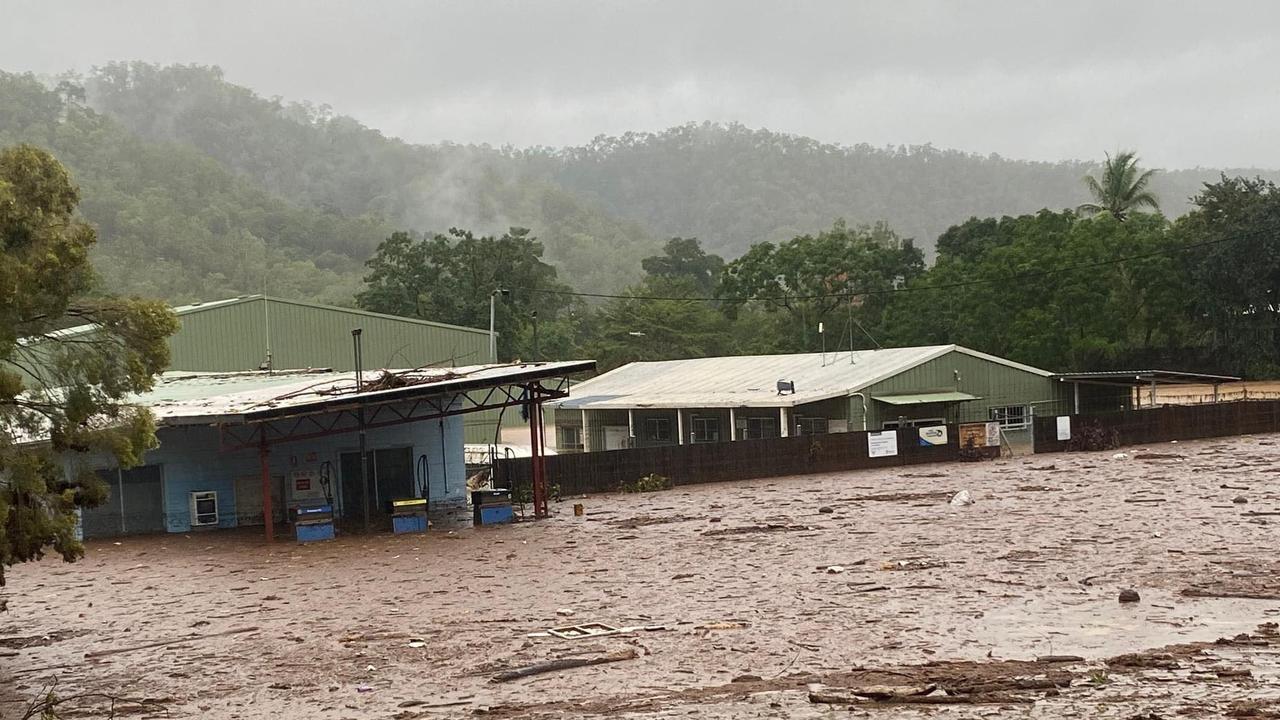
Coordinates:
[204,508]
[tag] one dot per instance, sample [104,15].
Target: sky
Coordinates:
[1184,83]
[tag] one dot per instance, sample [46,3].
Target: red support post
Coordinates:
[535,461]
[542,458]
[268,516]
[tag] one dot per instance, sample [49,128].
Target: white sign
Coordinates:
[936,435]
[882,444]
[993,434]
[1064,427]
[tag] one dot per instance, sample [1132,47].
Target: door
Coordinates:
[107,519]
[390,473]
[393,468]
[142,495]
[616,437]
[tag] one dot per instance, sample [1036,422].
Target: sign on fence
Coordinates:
[1064,427]
[882,444]
[931,436]
[979,435]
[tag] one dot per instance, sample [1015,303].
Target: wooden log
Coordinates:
[162,643]
[561,664]
[844,697]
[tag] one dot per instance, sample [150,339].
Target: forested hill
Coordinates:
[201,188]
[732,186]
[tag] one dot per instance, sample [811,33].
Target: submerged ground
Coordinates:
[743,616]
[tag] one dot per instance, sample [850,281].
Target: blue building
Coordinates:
[238,447]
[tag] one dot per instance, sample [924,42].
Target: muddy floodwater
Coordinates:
[792,597]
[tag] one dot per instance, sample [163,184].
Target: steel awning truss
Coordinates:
[346,419]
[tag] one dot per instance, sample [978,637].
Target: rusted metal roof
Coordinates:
[191,398]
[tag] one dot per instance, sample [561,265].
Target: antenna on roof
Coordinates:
[822,334]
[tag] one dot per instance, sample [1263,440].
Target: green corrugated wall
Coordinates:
[234,336]
[996,385]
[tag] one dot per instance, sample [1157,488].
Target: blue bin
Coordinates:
[415,523]
[495,514]
[313,531]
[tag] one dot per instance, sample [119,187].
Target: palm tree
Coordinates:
[1122,189]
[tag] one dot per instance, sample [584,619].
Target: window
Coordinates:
[706,429]
[759,428]
[570,437]
[657,430]
[1012,417]
[811,426]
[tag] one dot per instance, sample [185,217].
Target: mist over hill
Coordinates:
[202,188]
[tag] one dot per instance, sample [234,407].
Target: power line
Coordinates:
[919,288]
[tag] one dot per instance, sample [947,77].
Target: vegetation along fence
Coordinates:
[738,460]
[1161,424]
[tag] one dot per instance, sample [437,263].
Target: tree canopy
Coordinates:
[835,277]
[451,278]
[61,393]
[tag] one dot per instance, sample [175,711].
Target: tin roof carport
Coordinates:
[255,410]
[1142,378]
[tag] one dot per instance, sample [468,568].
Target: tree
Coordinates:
[1054,290]
[839,274]
[450,278]
[636,328]
[1236,271]
[61,394]
[1122,190]
[684,258]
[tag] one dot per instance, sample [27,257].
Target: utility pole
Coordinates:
[493,335]
[535,336]
[364,457]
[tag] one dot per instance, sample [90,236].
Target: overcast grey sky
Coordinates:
[1185,83]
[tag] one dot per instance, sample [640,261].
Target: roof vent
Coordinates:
[786,387]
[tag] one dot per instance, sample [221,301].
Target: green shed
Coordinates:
[761,396]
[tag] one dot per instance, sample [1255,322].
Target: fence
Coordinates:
[1162,424]
[714,462]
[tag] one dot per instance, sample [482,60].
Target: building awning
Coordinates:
[1145,377]
[925,398]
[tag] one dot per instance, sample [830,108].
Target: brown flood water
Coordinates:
[1033,567]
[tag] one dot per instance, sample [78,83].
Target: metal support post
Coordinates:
[268,514]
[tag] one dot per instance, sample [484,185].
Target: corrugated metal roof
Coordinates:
[185,398]
[751,380]
[925,398]
[192,398]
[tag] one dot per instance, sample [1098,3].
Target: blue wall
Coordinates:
[192,461]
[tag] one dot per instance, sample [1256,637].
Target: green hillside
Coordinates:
[201,188]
